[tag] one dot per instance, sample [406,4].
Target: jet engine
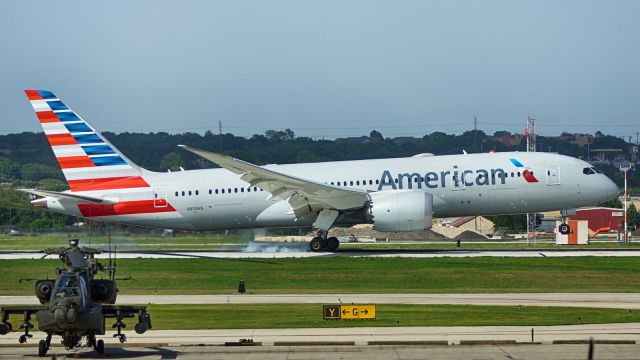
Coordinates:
[43,290]
[104,291]
[400,210]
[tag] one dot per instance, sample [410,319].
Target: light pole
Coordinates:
[625,169]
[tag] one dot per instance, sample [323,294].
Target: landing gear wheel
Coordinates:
[315,244]
[100,347]
[42,348]
[564,229]
[333,243]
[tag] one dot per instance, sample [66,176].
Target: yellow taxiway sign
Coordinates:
[348,312]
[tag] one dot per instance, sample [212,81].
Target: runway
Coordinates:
[365,335]
[593,300]
[341,352]
[286,253]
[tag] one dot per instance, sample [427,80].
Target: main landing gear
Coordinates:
[323,243]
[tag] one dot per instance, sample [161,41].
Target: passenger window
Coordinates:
[370,182]
[197,192]
[216,191]
[518,173]
[183,193]
[377,181]
[512,174]
[176,193]
[241,189]
[223,191]
[189,192]
[358,182]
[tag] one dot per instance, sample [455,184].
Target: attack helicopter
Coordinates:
[76,305]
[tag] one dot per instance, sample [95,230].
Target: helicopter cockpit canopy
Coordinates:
[69,285]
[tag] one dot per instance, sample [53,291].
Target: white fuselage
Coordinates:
[461,185]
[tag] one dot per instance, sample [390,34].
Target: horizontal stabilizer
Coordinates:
[68,195]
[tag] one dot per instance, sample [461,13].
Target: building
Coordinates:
[601,217]
[475,223]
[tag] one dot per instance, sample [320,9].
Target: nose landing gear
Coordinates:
[564,229]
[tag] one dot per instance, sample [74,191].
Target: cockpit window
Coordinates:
[67,287]
[588,171]
[596,170]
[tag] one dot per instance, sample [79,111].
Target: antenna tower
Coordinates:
[530,134]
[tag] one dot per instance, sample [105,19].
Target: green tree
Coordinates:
[9,170]
[305,156]
[509,222]
[375,134]
[37,172]
[172,161]
[633,217]
[615,203]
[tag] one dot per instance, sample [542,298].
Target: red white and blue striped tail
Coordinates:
[89,162]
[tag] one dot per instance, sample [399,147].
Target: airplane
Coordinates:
[397,194]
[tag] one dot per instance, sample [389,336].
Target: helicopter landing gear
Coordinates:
[42,348]
[26,325]
[99,347]
[44,345]
[119,325]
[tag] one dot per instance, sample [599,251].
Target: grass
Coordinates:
[353,275]
[250,316]
[123,241]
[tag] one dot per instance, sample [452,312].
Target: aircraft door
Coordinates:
[553,174]
[159,197]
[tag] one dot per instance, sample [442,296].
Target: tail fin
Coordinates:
[89,162]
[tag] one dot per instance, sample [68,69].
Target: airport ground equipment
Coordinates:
[76,305]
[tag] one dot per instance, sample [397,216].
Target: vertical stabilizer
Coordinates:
[89,162]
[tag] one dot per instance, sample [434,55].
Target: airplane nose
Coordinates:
[612,189]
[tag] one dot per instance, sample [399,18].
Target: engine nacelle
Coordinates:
[104,291]
[401,210]
[44,289]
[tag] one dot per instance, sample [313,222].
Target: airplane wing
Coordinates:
[303,195]
[76,197]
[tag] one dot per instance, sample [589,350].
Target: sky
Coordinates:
[326,68]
